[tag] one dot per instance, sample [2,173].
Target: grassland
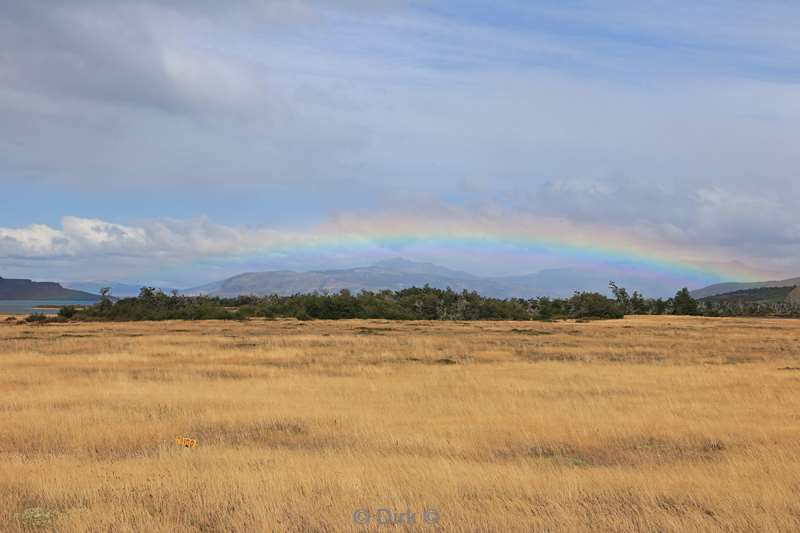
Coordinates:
[642,424]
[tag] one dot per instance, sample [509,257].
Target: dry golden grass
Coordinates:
[644,424]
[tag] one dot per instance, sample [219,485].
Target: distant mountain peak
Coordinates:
[407,266]
[401,262]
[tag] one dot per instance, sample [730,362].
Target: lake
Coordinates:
[26,307]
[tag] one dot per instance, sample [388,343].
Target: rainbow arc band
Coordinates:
[598,247]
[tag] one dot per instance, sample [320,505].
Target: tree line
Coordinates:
[684,304]
[416,303]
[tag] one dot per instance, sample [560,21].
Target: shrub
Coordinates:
[594,305]
[68,311]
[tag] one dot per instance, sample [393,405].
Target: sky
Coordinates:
[177,143]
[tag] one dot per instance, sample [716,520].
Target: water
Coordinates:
[26,307]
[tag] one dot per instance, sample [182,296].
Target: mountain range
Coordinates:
[401,273]
[395,274]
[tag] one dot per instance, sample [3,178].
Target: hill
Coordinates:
[25,289]
[760,295]
[397,274]
[394,274]
[727,288]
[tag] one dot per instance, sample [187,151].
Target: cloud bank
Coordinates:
[147,120]
[455,237]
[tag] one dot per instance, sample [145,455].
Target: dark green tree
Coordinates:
[684,304]
[659,306]
[638,304]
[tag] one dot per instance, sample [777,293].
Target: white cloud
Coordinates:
[37,240]
[81,245]
[77,236]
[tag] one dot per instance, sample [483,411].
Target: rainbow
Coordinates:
[501,240]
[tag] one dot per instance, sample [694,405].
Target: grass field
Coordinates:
[642,424]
